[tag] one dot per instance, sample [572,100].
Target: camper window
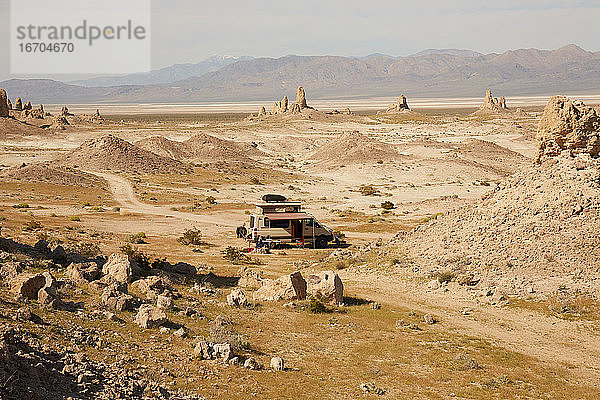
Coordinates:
[280,223]
[252,221]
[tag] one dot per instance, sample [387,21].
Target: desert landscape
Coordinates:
[466,266]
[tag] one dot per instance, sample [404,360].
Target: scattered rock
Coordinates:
[164,302]
[115,297]
[237,298]
[83,272]
[213,351]
[429,319]
[27,286]
[277,364]
[252,364]
[326,285]
[149,317]
[249,278]
[119,268]
[287,287]
[371,388]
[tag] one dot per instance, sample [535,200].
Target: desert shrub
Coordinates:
[74,218]
[238,257]
[86,204]
[85,249]
[135,255]
[116,209]
[137,238]
[191,237]
[223,333]
[344,263]
[368,190]
[445,276]
[387,205]
[32,226]
[316,306]
[21,205]
[255,181]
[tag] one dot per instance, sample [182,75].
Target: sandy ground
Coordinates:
[432,174]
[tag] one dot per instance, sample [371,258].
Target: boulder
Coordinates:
[119,268]
[301,98]
[295,108]
[18,104]
[249,278]
[64,111]
[149,317]
[213,351]
[9,103]
[59,255]
[27,286]
[262,111]
[41,246]
[325,285]
[252,364]
[3,104]
[83,272]
[28,106]
[164,302]
[151,286]
[277,364]
[287,287]
[568,125]
[115,297]
[9,270]
[237,298]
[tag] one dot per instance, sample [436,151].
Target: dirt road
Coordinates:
[123,193]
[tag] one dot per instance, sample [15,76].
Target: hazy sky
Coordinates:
[192,30]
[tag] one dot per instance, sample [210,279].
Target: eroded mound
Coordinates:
[354,148]
[540,229]
[504,160]
[12,128]
[47,173]
[112,153]
[200,147]
[568,125]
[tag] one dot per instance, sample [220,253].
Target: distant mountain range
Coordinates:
[169,74]
[431,73]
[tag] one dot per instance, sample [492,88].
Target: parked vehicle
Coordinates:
[278,221]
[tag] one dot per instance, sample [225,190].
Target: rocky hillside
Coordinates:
[539,231]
